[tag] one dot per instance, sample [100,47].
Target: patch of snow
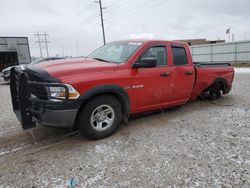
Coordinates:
[125,184]
[14,149]
[94,179]
[101,148]
[241,70]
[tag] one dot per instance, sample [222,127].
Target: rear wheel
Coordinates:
[213,92]
[100,117]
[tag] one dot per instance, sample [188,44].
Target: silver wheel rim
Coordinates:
[102,117]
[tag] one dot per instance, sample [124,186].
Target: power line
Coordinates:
[67,32]
[145,3]
[42,39]
[71,26]
[101,14]
[39,43]
[136,10]
[67,23]
[93,28]
[46,43]
[115,5]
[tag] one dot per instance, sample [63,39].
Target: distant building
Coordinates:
[192,42]
[14,51]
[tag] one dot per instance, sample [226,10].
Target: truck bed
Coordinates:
[207,74]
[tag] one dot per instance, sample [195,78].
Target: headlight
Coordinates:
[60,92]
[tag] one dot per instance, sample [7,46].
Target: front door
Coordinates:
[149,85]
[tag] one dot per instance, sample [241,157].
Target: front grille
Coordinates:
[35,89]
[34,76]
[38,91]
[33,85]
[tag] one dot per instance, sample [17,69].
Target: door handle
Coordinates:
[164,74]
[189,73]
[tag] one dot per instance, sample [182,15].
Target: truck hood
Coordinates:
[64,68]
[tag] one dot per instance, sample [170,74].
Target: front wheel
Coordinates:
[100,117]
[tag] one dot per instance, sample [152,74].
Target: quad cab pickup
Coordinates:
[98,93]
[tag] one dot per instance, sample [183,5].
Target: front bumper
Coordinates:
[40,109]
[56,118]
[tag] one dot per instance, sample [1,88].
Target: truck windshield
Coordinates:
[115,52]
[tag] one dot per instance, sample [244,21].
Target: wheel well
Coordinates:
[214,90]
[222,83]
[121,99]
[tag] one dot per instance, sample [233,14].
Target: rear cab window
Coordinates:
[179,56]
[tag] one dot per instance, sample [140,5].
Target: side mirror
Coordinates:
[146,63]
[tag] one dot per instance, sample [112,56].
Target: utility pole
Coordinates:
[101,14]
[42,39]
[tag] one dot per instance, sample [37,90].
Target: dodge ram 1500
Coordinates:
[98,93]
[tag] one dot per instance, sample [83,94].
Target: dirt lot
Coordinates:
[200,144]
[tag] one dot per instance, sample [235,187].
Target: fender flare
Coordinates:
[112,89]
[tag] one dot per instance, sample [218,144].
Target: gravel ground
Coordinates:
[200,144]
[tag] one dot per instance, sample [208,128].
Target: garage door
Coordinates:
[8,59]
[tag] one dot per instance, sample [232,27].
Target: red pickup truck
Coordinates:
[98,93]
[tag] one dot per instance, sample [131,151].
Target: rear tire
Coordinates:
[215,91]
[212,93]
[100,117]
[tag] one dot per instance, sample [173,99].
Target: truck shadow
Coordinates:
[178,112]
[42,136]
[172,110]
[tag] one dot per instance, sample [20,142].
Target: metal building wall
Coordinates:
[16,44]
[222,52]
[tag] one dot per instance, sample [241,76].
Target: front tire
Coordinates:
[100,117]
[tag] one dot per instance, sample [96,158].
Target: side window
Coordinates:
[158,52]
[179,56]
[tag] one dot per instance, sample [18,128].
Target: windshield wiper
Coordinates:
[100,59]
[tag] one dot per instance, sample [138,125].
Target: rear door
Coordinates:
[183,75]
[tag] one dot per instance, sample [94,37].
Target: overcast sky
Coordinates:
[74,26]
